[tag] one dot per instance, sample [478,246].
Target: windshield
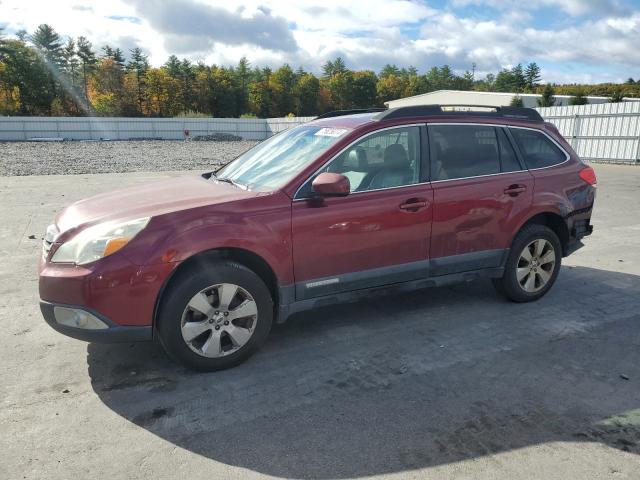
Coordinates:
[272,163]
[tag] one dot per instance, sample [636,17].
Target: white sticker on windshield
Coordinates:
[331,132]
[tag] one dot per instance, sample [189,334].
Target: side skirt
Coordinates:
[285,310]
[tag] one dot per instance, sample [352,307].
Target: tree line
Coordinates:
[43,73]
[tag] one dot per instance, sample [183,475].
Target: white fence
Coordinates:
[607,132]
[117,128]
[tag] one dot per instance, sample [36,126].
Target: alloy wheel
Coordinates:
[536,265]
[219,320]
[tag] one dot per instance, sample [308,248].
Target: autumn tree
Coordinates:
[363,89]
[25,79]
[390,87]
[161,93]
[306,92]
[107,88]
[282,84]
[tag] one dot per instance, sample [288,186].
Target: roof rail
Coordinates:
[516,113]
[353,111]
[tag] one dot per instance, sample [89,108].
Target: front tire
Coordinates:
[215,316]
[533,264]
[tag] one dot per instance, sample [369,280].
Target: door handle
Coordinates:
[515,190]
[413,205]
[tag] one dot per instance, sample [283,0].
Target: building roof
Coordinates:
[509,94]
[506,94]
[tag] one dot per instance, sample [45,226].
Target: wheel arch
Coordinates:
[555,222]
[245,257]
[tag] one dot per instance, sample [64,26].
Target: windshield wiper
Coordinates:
[228,180]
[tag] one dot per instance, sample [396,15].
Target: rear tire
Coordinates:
[533,264]
[215,316]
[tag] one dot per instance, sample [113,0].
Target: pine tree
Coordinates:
[48,42]
[532,75]
[114,54]
[173,66]
[579,98]
[547,99]
[616,97]
[108,51]
[138,65]
[70,61]
[516,101]
[243,74]
[118,57]
[390,70]
[329,69]
[88,60]
[518,78]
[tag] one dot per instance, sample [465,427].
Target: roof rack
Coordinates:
[517,113]
[353,111]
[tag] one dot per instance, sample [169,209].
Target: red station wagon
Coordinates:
[325,212]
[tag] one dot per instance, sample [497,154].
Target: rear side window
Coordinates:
[460,151]
[537,149]
[508,157]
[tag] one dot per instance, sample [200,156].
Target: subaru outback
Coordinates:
[325,212]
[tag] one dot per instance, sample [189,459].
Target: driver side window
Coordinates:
[390,158]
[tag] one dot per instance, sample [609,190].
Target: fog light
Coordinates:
[73,317]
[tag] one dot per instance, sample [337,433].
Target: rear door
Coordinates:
[379,233]
[481,194]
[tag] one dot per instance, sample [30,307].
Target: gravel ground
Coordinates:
[63,158]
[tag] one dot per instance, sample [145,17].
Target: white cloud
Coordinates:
[368,33]
[572,7]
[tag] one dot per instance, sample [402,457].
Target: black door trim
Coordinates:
[406,272]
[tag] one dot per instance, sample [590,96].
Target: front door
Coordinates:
[376,235]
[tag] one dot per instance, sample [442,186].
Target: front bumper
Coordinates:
[113,333]
[114,288]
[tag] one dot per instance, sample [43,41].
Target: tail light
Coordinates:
[588,175]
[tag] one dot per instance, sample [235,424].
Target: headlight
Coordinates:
[98,241]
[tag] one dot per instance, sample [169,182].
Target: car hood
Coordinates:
[156,198]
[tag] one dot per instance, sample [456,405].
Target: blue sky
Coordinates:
[572,40]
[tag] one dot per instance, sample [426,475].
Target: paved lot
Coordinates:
[442,383]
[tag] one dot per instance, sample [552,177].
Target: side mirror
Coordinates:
[331,185]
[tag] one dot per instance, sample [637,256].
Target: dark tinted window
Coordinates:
[459,151]
[538,151]
[508,157]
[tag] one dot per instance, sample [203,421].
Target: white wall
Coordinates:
[124,128]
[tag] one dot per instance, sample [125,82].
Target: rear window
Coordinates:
[537,149]
[461,151]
